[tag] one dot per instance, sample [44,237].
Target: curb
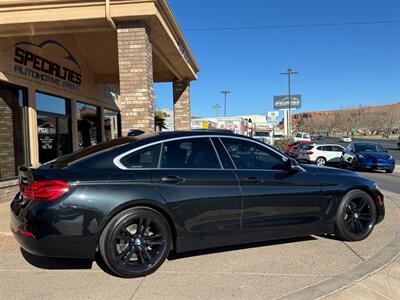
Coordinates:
[337,283]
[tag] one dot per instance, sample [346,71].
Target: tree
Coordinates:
[159,120]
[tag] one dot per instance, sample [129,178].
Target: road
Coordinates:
[390,145]
[389,182]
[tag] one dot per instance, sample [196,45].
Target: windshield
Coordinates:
[369,148]
[261,133]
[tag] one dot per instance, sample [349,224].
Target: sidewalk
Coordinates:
[384,284]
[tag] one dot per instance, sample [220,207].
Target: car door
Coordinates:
[274,197]
[328,153]
[205,198]
[336,153]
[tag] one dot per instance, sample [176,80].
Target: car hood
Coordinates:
[328,170]
[374,155]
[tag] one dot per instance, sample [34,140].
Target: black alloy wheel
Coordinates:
[135,242]
[356,216]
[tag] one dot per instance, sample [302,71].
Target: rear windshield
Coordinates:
[66,160]
[369,148]
[308,147]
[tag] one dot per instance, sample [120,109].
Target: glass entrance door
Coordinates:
[54,130]
[54,138]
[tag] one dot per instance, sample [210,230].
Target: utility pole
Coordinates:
[225,93]
[289,73]
[217,107]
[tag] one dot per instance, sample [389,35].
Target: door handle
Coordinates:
[172,179]
[253,180]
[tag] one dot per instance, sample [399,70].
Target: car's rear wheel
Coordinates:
[135,242]
[320,161]
[356,216]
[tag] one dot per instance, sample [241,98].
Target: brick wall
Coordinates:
[135,76]
[11,133]
[181,91]
[8,190]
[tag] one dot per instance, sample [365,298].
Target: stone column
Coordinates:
[182,117]
[135,77]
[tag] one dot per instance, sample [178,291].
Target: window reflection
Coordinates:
[88,125]
[110,124]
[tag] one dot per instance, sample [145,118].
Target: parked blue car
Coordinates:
[367,156]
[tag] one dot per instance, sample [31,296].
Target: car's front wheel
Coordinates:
[135,242]
[356,216]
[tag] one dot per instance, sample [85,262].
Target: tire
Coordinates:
[135,242]
[320,161]
[389,171]
[356,216]
[354,164]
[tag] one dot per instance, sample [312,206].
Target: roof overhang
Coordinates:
[95,37]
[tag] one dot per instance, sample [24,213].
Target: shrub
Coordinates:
[282,144]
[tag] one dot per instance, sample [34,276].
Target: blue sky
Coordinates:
[339,66]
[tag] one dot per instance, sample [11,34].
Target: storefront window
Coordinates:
[54,130]
[110,124]
[13,140]
[89,133]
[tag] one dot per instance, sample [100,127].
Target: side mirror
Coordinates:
[292,166]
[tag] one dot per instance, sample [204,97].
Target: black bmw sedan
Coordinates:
[135,199]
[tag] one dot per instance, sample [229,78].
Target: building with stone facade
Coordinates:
[74,73]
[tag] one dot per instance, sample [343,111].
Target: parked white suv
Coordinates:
[321,154]
[302,136]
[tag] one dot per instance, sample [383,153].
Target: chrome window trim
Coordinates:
[221,166]
[227,153]
[118,163]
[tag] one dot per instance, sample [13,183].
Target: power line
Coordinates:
[283,26]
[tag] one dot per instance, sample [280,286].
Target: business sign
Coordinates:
[48,61]
[282,102]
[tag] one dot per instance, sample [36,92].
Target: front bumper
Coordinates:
[376,165]
[380,206]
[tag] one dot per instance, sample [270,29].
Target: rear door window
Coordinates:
[144,158]
[195,153]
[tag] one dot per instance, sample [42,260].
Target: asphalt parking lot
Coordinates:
[258,271]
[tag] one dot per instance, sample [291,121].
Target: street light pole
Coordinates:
[225,93]
[217,107]
[289,73]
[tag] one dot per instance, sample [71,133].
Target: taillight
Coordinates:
[47,190]
[309,152]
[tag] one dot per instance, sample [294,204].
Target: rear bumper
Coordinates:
[42,233]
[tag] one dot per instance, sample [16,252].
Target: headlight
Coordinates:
[360,156]
[390,157]
[376,186]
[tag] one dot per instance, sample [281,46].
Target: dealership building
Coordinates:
[77,73]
